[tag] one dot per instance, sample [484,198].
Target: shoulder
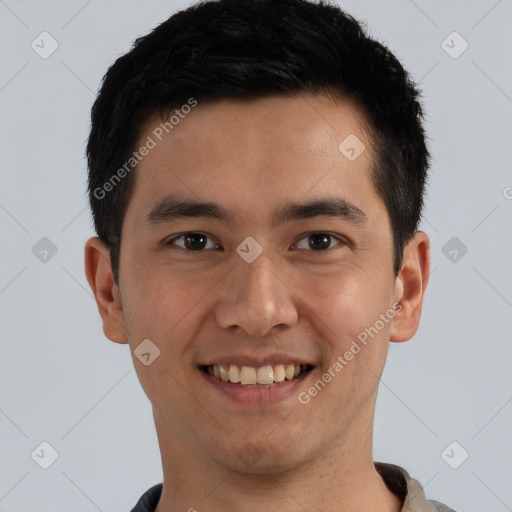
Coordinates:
[149,500]
[408,489]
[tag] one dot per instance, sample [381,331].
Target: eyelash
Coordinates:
[340,241]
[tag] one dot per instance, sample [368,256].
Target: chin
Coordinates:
[263,459]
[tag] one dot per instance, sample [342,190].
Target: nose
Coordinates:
[257,299]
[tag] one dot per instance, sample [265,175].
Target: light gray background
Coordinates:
[63,382]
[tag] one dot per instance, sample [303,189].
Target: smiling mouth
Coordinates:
[251,376]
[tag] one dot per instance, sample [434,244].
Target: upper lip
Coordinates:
[269,360]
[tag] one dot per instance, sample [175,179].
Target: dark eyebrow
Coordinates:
[173,208]
[331,207]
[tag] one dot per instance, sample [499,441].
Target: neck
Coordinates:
[332,481]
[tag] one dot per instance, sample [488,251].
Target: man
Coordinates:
[256,176]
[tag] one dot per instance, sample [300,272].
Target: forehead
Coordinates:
[253,155]
[298,123]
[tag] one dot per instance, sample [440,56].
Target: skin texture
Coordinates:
[199,306]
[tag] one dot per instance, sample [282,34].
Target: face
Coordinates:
[283,270]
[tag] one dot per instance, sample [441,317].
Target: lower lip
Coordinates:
[258,395]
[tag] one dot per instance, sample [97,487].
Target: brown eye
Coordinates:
[193,241]
[317,241]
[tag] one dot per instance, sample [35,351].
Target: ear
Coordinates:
[410,286]
[101,280]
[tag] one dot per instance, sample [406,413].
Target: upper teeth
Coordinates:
[249,375]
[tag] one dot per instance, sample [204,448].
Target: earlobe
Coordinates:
[410,287]
[106,293]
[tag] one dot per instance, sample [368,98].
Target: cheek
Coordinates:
[346,312]
[344,304]
[161,306]
[161,298]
